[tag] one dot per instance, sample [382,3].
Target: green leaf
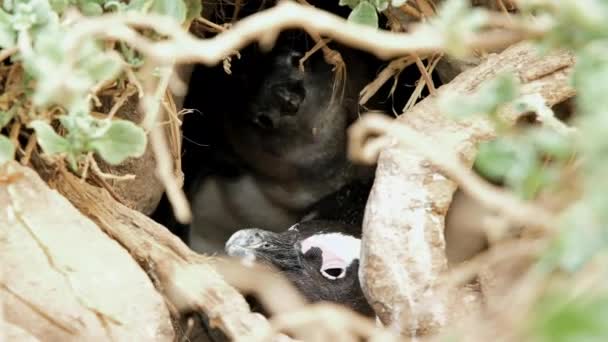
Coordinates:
[7,150]
[59,5]
[33,14]
[6,117]
[122,140]
[457,21]
[364,14]
[51,142]
[349,3]
[590,78]
[173,8]
[7,34]
[552,143]
[91,9]
[194,9]
[102,66]
[115,6]
[532,180]
[380,5]
[141,6]
[559,317]
[495,158]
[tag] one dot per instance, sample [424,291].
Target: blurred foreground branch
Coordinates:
[181,47]
[265,26]
[195,283]
[403,252]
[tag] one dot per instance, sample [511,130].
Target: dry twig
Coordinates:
[265,26]
[404,218]
[391,70]
[445,159]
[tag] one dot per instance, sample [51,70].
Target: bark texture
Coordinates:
[403,252]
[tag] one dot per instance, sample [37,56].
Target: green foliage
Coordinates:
[517,160]
[7,150]
[560,319]
[51,142]
[175,9]
[575,22]
[114,140]
[65,76]
[66,68]
[529,160]
[457,21]
[121,140]
[514,160]
[8,36]
[365,12]
[6,117]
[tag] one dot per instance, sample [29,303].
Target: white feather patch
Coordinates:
[339,251]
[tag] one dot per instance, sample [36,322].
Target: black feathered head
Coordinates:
[321,258]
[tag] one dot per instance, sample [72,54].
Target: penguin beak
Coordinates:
[243,243]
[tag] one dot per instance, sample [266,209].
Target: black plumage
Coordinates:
[321,259]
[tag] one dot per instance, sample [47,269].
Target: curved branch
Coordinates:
[265,26]
[403,253]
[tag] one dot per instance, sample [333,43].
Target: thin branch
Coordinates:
[29,148]
[121,101]
[426,74]
[438,154]
[392,69]
[417,93]
[215,27]
[158,141]
[265,27]
[6,53]
[104,175]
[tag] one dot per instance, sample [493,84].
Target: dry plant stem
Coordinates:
[426,8]
[391,70]
[336,323]
[6,53]
[211,24]
[410,10]
[164,163]
[330,56]
[318,45]
[175,137]
[265,27]
[133,80]
[403,253]
[422,83]
[121,101]
[29,148]
[104,175]
[425,74]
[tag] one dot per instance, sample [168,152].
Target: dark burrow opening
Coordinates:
[265,147]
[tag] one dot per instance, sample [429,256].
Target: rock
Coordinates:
[64,279]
